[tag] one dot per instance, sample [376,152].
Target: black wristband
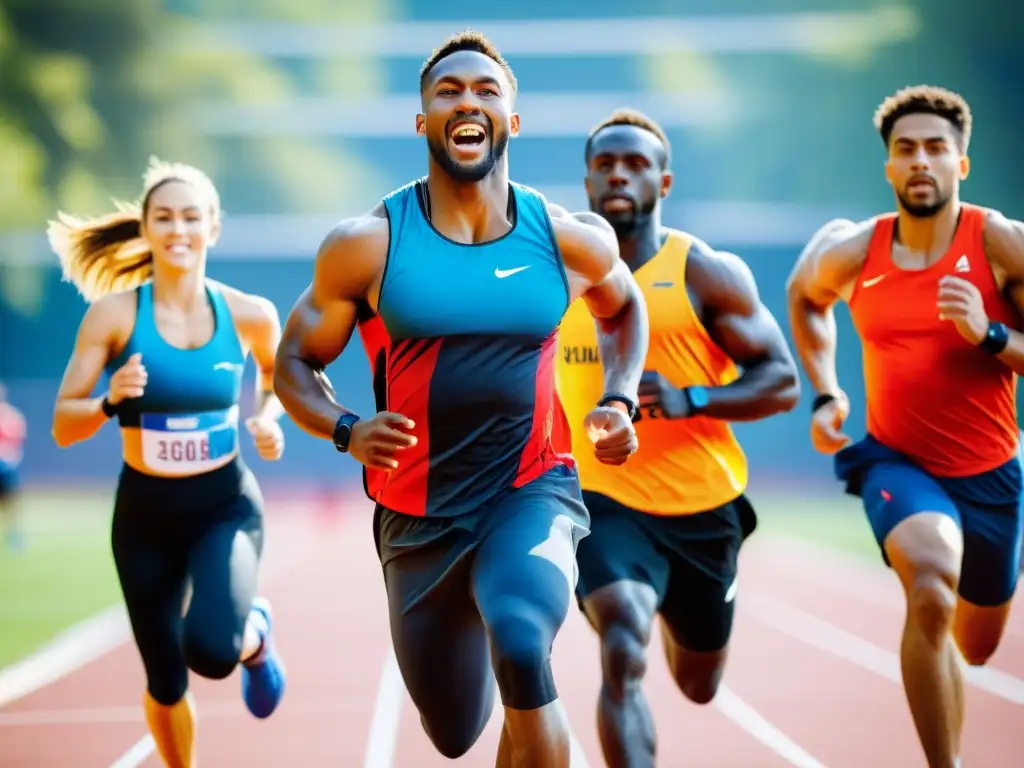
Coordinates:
[617,397]
[996,338]
[108,408]
[821,400]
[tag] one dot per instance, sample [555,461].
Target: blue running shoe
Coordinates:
[263,676]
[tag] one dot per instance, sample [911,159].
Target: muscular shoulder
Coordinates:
[718,279]
[353,254]
[832,260]
[587,242]
[1004,243]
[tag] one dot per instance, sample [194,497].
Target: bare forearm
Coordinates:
[815,338]
[1013,353]
[268,405]
[78,419]
[763,390]
[622,342]
[307,396]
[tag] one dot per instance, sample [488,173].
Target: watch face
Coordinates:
[342,433]
[699,396]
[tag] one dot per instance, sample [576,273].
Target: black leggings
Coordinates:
[205,530]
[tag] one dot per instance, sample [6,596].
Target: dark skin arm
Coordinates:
[347,271]
[590,253]
[725,294]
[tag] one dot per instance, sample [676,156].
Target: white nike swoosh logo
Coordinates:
[500,273]
[873,281]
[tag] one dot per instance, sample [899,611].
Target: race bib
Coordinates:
[187,444]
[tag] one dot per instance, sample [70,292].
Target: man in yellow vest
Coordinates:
[667,528]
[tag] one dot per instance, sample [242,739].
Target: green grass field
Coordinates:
[64,575]
[66,572]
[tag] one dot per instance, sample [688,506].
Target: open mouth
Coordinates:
[468,135]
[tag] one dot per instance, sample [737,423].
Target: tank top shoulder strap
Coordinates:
[145,322]
[226,332]
[534,221]
[970,236]
[532,214]
[674,257]
[880,246]
[405,215]
[877,260]
[143,328]
[676,249]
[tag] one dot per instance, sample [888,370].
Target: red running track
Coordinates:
[812,679]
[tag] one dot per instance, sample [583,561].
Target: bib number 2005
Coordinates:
[182,445]
[188,449]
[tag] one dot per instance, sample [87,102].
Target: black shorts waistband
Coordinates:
[209,489]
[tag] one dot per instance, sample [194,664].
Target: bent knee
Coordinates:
[168,686]
[977,652]
[931,603]
[978,630]
[698,675]
[521,638]
[623,658]
[211,656]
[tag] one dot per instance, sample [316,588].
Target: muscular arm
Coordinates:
[822,275]
[591,255]
[747,332]
[76,415]
[322,320]
[1004,246]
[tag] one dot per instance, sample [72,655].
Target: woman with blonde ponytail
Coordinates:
[188,515]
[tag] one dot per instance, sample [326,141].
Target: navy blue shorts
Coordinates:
[480,597]
[987,508]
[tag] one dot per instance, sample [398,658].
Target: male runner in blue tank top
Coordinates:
[477,522]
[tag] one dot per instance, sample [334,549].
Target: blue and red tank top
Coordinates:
[471,336]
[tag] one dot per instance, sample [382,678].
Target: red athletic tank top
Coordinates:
[930,394]
[375,340]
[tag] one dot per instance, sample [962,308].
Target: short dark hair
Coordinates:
[635,118]
[925,99]
[468,40]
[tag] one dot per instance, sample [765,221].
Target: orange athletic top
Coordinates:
[682,466]
[930,395]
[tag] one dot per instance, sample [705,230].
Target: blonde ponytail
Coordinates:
[102,255]
[108,254]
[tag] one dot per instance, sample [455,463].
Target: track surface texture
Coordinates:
[813,677]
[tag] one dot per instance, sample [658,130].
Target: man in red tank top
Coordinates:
[934,291]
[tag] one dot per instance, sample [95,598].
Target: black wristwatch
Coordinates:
[821,401]
[108,408]
[632,409]
[343,431]
[996,338]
